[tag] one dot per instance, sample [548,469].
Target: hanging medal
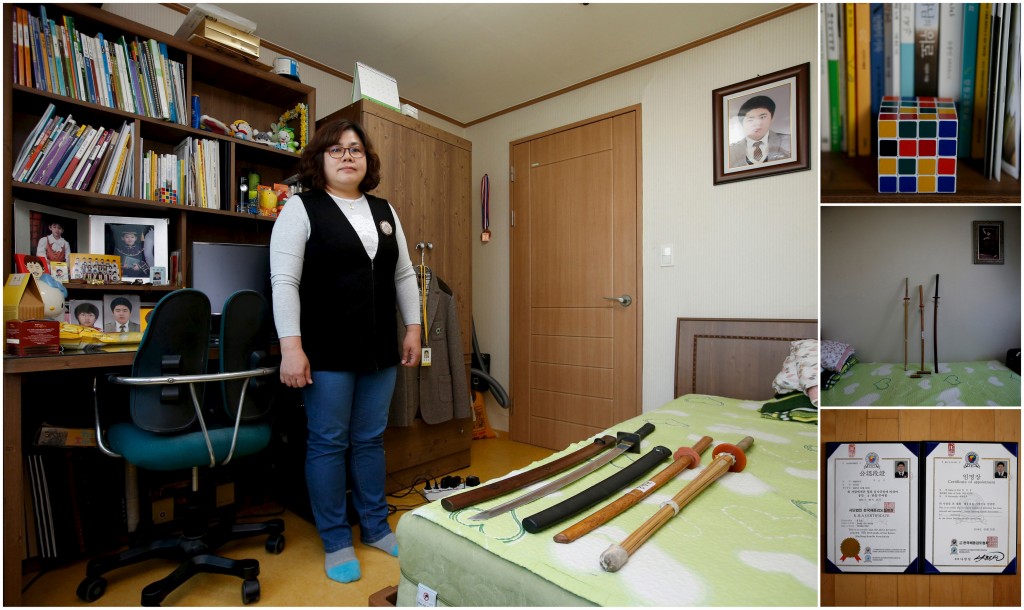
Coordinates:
[485,208]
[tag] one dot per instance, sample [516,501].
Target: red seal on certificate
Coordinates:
[850,548]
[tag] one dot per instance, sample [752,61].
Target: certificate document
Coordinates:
[872,507]
[970,507]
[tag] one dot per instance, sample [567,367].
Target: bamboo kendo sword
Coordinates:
[685,457]
[920,297]
[728,458]
[906,304]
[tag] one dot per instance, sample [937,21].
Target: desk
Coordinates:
[14,501]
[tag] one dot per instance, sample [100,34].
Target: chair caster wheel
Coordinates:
[92,588]
[250,591]
[275,544]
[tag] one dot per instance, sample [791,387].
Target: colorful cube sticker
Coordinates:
[917,140]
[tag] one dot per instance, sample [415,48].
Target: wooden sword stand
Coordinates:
[728,458]
[920,297]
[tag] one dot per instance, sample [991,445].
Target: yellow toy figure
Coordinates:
[242,130]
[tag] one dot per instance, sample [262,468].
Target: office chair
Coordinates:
[170,430]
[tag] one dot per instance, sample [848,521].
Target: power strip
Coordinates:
[436,494]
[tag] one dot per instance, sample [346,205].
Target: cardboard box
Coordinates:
[22,299]
[225,37]
[32,337]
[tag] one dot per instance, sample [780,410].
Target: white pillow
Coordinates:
[800,369]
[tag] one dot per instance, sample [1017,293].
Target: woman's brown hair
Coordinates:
[311,168]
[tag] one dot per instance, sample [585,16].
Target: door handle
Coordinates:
[625,300]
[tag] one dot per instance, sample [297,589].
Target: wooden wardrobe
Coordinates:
[426,175]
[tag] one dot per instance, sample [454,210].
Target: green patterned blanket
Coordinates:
[747,540]
[972,384]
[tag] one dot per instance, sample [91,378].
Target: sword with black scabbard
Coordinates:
[626,442]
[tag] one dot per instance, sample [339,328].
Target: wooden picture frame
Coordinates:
[775,108]
[32,221]
[109,235]
[988,242]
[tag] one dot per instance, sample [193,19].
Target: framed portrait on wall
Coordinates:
[48,232]
[988,242]
[761,126]
[140,242]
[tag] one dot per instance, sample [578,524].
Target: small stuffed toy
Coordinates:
[263,137]
[241,130]
[286,139]
[209,123]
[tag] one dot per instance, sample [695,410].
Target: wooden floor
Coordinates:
[293,578]
[863,425]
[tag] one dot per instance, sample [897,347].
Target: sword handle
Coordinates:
[635,437]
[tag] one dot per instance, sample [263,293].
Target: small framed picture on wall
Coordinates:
[988,242]
[761,126]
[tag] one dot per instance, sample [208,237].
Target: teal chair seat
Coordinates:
[161,452]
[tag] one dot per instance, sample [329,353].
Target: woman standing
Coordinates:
[336,240]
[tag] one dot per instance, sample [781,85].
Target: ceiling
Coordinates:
[468,61]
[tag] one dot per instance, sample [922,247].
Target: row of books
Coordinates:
[61,153]
[968,52]
[189,177]
[133,76]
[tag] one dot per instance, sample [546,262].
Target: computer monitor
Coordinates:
[220,269]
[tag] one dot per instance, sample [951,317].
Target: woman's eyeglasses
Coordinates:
[337,152]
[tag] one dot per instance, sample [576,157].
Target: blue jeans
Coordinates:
[346,411]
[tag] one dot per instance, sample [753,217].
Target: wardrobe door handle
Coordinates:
[625,300]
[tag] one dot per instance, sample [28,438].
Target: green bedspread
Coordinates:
[747,540]
[973,384]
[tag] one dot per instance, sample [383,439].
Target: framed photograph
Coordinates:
[140,242]
[95,268]
[158,276]
[121,313]
[761,127]
[988,242]
[48,232]
[86,313]
[59,271]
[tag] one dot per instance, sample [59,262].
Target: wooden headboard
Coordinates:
[735,358]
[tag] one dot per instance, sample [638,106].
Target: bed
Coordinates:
[975,384]
[757,527]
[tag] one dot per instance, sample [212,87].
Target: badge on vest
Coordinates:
[386,228]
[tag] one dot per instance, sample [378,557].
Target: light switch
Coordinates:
[666,255]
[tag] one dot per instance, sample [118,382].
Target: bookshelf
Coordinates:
[847,179]
[229,89]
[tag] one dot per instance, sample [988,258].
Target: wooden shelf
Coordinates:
[847,179]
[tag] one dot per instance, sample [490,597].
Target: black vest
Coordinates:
[348,301]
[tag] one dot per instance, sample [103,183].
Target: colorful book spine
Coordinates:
[62,164]
[851,79]
[863,50]
[877,66]
[966,106]
[951,33]
[835,74]
[981,71]
[926,36]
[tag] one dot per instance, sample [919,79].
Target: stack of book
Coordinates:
[133,76]
[188,177]
[61,153]
[967,52]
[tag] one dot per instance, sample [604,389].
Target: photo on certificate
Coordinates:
[971,507]
[872,507]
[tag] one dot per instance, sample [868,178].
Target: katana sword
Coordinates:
[597,492]
[935,326]
[626,442]
[920,298]
[521,480]
[906,305]
[728,458]
[685,457]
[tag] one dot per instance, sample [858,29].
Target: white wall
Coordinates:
[866,252]
[747,249]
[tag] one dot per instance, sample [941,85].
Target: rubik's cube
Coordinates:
[917,145]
